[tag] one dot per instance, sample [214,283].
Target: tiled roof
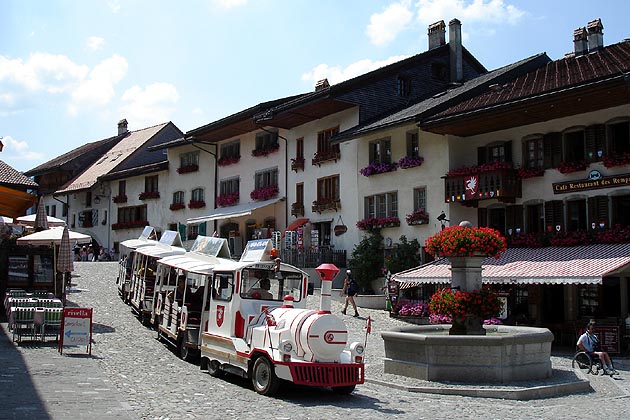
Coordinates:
[437,102]
[571,71]
[11,177]
[68,157]
[110,160]
[552,265]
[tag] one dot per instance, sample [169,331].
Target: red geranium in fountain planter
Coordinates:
[462,241]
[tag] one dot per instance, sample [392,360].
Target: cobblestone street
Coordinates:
[132,375]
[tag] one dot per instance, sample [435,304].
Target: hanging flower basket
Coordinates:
[461,241]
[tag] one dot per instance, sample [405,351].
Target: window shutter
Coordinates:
[202,228]
[552,150]
[482,217]
[508,151]
[553,213]
[182,230]
[595,141]
[482,155]
[598,210]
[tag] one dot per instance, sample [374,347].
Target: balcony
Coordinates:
[325,204]
[147,195]
[297,164]
[327,156]
[501,183]
[121,198]
[297,209]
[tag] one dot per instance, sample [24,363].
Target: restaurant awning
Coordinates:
[14,203]
[233,211]
[553,265]
[297,223]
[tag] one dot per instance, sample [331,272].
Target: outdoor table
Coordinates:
[38,322]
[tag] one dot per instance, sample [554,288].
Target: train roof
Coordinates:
[160,250]
[191,262]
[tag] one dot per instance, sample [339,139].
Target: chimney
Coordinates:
[437,34]
[595,35]
[580,41]
[455,50]
[122,126]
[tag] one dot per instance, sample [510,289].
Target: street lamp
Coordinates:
[442,218]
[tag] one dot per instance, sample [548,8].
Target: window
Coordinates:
[495,152]
[189,159]
[619,137]
[438,71]
[403,86]
[496,219]
[47,210]
[197,194]
[53,210]
[574,146]
[64,210]
[299,148]
[229,186]
[576,215]
[533,157]
[420,199]
[299,193]
[535,218]
[223,286]
[193,232]
[151,184]
[620,210]
[381,151]
[231,149]
[382,205]
[413,144]
[262,284]
[266,178]
[88,199]
[328,188]
[323,142]
[265,141]
[132,214]
[122,188]
[178,197]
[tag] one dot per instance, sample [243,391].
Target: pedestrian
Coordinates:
[84,254]
[350,289]
[589,343]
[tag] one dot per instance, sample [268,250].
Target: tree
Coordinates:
[404,255]
[366,260]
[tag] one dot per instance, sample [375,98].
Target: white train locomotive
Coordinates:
[258,326]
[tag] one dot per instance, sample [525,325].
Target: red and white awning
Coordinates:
[553,265]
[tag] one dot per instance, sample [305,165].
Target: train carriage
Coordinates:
[127,251]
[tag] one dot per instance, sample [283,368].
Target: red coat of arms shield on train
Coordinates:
[220,312]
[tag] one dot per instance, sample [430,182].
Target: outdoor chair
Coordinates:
[23,322]
[52,323]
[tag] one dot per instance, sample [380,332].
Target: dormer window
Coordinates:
[403,86]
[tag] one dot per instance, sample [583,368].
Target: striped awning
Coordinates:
[553,265]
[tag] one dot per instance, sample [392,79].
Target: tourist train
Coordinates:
[245,317]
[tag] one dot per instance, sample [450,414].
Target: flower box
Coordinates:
[266,151]
[480,169]
[228,160]
[177,206]
[462,241]
[418,217]
[187,169]
[482,304]
[321,157]
[570,167]
[226,200]
[324,204]
[130,225]
[373,223]
[407,162]
[196,204]
[119,199]
[378,168]
[525,173]
[149,195]
[616,160]
[297,163]
[264,193]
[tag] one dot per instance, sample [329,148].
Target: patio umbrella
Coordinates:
[64,260]
[53,236]
[41,219]
[29,221]
[6,220]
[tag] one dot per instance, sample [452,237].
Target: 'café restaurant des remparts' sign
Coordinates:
[594,181]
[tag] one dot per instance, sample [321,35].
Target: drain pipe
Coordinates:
[216,167]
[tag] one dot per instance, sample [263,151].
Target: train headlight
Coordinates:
[356,351]
[286,346]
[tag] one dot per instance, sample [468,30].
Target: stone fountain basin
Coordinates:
[505,354]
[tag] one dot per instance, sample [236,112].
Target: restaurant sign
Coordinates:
[594,181]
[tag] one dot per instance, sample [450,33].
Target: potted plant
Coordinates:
[462,241]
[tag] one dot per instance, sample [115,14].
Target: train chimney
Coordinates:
[327,273]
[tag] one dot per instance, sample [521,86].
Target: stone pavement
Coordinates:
[131,375]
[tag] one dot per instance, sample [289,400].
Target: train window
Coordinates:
[223,286]
[268,285]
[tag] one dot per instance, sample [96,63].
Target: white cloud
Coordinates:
[229,4]
[18,150]
[114,6]
[483,11]
[337,74]
[41,72]
[97,90]
[151,105]
[95,43]
[384,27]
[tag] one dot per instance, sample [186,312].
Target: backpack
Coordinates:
[353,287]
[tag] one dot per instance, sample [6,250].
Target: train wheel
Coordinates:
[264,378]
[185,352]
[214,369]
[344,390]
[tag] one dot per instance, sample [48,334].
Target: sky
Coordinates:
[71,69]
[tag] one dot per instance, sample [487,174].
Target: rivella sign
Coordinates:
[594,181]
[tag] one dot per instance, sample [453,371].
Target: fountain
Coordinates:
[467,350]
